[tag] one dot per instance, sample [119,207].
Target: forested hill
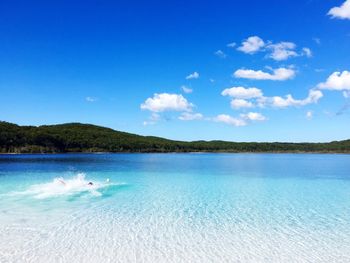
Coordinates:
[77,137]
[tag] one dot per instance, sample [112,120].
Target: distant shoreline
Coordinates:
[88,138]
[203,152]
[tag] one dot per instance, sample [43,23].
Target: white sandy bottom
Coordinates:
[94,237]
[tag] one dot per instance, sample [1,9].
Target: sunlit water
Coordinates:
[175,208]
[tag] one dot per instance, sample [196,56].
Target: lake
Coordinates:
[198,207]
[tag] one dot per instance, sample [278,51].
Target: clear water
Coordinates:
[175,208]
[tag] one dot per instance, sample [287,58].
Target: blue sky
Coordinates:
[187,70]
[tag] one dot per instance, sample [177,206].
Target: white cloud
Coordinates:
[251,45]
[230,120]
[253,116]
[278,74]
[186,116]
[346,94]
[279,102]
[220,54]
[242,93]
[282,50]
[317,40]
[90,99]
[232,45]
[166,102]
[186,89]
[309,115]
[241,103]
[254,97]
[339,81]
[342,12]
[243,120]
[277,51]
[319,70]
[212,80]
[307,52]
[194,75]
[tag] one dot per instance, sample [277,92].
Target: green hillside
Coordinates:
[77,137]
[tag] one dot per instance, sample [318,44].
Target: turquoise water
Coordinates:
[175,208]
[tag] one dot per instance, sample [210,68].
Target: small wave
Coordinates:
[65,187]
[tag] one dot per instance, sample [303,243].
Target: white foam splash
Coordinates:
[61,187]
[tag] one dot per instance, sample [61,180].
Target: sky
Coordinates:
[184,70]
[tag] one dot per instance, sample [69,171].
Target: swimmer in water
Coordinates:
[62,181]
[90,183]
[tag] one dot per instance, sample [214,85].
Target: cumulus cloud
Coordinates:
[242,93]
[277,74]
[288,100]
[339,81]
[253,97]
[220,54]
[230,120]
[242,120]
[252,45]
[282,51]
[194,75]
[341,12]
[241,103]
[187,116]
[186,89]
[253,116]
[277,51]
[166,102]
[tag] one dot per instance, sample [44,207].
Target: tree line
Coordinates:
[77,137]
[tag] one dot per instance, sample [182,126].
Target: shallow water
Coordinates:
[175,208]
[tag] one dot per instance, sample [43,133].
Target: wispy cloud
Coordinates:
[153,119]
[307,52]
[317,40]
[231,45]
[220,54]
[186,89]
[309,115]
[230,120]
[194,75]
[343,109]
[187,116]
[253,116]
[91,99]
[241,103]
